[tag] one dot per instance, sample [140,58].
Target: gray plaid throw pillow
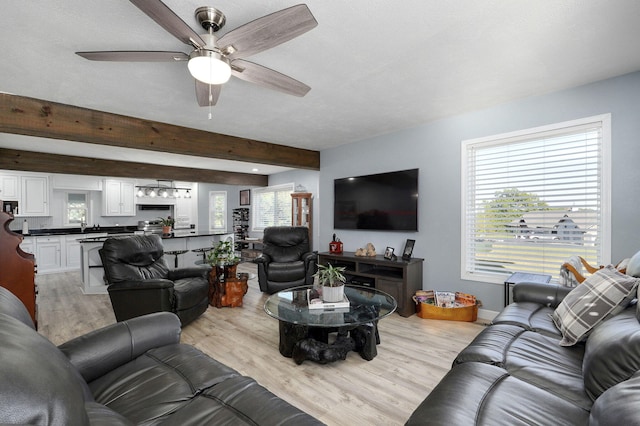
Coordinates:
[604,294]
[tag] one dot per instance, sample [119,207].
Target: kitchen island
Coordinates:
[93,273]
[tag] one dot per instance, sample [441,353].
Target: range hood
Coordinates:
[162,207]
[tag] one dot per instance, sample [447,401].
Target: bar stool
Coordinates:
[176,253]
[204,251]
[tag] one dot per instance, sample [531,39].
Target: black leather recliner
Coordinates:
[287,260]
[141,283]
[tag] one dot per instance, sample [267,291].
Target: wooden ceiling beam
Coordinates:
[35,117]
[12,159]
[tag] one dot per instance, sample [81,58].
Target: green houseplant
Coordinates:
[222,254]
[167,224]
[224,262]
[332,280]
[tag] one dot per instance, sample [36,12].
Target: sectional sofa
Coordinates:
[131,372]
[557,356]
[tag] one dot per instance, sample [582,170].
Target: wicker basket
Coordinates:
[463,313]
[466,308]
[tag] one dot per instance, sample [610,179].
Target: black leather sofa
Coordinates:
[515,372]
[286,260]
[131,372]
[140,282]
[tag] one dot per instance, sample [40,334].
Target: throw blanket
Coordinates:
[567,277]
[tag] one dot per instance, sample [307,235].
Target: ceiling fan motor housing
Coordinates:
[210,18]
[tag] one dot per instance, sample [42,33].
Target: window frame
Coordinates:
[256,193]
[66,222]
[223,212]
[604,232]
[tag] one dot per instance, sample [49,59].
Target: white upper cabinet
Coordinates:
[186,208]
[76,182]
[35,196]
[9,187]
[118,198]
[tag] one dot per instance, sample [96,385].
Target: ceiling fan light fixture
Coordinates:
[209,67]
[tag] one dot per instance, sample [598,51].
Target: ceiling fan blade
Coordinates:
[267,77]
[168,20]
[202,93]
[267,32]
[135,56]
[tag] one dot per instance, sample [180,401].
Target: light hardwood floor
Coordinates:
[413,356]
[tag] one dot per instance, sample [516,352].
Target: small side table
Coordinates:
[522,277]
[176,253]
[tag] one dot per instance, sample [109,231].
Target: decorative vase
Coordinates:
[333,294]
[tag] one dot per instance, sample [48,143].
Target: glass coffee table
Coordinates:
[305,333]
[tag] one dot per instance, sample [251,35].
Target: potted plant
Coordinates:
[222,254]
[167,224]
[332,280]
[224,262]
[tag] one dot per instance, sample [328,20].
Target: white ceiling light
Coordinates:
[209,67]
[163,188]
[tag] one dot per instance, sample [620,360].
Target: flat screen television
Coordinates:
[385,201]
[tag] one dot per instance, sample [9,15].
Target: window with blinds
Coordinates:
[535,198]
[218,211]
[271,206]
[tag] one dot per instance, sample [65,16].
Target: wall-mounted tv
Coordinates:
[385,201]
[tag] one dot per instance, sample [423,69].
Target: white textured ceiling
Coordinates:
[374,66]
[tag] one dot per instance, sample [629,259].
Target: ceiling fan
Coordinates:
[215,59]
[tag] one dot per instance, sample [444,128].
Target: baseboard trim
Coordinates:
[486,315]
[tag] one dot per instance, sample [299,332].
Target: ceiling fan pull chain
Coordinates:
[210,102]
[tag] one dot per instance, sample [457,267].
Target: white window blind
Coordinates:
[533,199]
[272,206]
[218,211]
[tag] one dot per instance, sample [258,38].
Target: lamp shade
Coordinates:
[209,67]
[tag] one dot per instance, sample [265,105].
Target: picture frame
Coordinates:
[388,253]
[245,197]
[408,249]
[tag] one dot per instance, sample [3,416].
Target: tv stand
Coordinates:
[401,279]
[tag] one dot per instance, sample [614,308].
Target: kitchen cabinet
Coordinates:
[118,198]
[28,245]
[76,182]
[184,213]
[9,187]
[54,253]
[72,258]
[49,253]
[35,196]
[186,208]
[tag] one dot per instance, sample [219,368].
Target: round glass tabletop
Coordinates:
[365,305]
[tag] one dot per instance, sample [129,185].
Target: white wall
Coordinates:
[435,147]
[233,202]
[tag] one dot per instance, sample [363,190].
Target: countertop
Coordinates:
[115,231]
[77,231]
[175,234]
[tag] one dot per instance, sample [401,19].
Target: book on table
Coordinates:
[318,303]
